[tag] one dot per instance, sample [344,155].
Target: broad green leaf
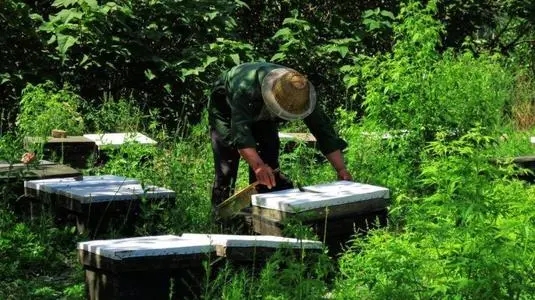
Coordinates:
[84,60]
[235,58]
[149,74]
[65,42]
[5,78]
[52,39]
[167,88]
[284,32]
[92,3]
[278,57]
[343,50]
[241,3]
[209,60]
[387,14]
[212,15]
[36,17]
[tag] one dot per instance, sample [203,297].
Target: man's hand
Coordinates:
[263,172]
[264,175]
[343,174]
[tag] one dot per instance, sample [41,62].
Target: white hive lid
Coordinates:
[147,246]
[267,241]
[328,194]
[99,188]
[51,185]
[119,138]
[110,192]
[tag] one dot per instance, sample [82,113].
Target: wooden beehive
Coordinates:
[335,211]
[151,267]
[95,200]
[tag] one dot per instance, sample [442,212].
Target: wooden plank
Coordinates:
[43,170]
[336,232]
[291,140]
[31,141]
[297,136]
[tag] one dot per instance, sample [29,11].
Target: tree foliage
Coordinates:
[165,54]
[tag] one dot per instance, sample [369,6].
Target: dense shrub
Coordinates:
[45,107]
[467,236]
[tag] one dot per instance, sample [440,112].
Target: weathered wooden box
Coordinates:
[152,267]
[253,249]
[335,211]
[169,266]
[19,172]
[13,175]
[94,200]
[76,151]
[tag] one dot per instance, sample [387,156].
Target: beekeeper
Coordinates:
[247,103]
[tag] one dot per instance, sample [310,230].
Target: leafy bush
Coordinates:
[45,107]
[417,88]
[467,236]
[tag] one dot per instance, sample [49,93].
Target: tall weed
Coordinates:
[122,115]
[179,165]
[523,102]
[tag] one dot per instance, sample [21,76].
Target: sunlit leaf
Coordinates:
[149,74]
[235,58]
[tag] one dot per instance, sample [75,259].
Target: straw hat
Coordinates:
[288,94]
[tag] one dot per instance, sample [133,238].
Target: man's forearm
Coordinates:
[337,160]
[251,157]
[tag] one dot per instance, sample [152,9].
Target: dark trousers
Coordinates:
[226,161]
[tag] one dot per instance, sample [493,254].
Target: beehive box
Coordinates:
[144,267]
[95,199]
[250,248]
[336,211]
[151,267]
[75,151]
[43,169]
[13,175]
